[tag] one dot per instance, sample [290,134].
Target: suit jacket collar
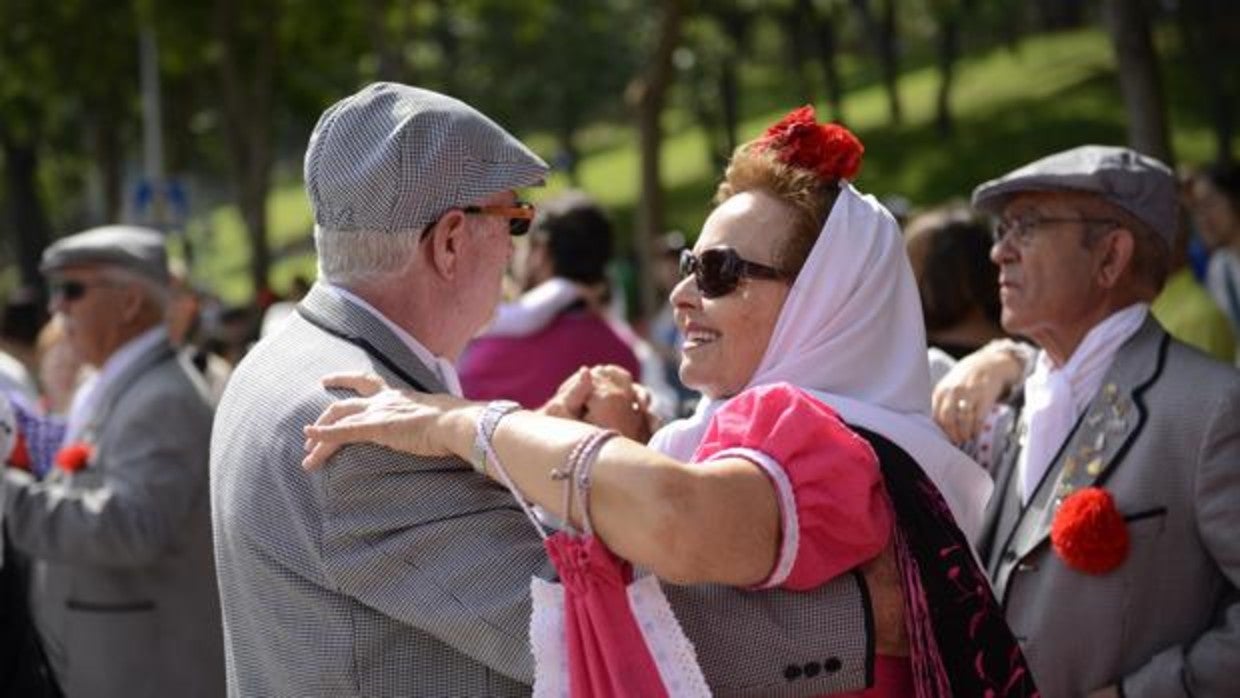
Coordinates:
[356,325]
[121,382]
[1100,438]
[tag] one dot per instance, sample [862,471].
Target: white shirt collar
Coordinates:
[441,366]
[85,400]
[1087,366]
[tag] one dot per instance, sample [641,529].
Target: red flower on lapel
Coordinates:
[1089,533]
[74,457]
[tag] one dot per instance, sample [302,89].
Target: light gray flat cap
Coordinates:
[131,247]
[1137,183]
[394,158]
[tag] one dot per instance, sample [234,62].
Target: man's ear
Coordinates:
[1117,250]
[444,243]
[133,302]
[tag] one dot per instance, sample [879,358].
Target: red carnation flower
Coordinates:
[1089,533]
[19,457]
[73,457]
[829,150]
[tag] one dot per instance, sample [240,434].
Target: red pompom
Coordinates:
[1089,533]
[73,457]
[829,150]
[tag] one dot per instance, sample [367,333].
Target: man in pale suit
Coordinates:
[123,586]
[1110,402]
[392,575]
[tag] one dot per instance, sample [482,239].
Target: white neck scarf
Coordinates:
[851,332]
[1056,397]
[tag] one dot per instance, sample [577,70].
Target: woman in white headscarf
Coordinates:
[810,452]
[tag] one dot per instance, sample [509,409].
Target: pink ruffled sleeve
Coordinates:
[835,514]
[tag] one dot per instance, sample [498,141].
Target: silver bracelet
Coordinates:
[584,466]
[487,423]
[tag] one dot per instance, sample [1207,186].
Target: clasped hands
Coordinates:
[608,397]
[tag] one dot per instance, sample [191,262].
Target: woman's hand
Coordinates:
[970,390]
[417,423]
[616,402]
[569,401]
[607,397]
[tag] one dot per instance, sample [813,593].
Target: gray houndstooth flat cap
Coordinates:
[130,247]
[1137,183]
[394,158]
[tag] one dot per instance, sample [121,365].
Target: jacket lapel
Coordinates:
[122,382]
[1101,437]
[338,316]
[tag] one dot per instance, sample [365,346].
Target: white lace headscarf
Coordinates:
[851,333]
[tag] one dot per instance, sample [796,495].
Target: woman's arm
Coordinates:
[686,523]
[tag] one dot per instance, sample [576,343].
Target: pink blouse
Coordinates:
[834,512]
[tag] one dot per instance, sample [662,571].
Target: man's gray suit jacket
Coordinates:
[123,584]
[385,574]
[1163,437]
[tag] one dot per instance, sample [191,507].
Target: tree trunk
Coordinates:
[646,95]
[248,106]
[1138,78]
[794,29]
[449,43]
[736,26]
[949,48]
[28,219]
[729,104]
[1201,24]
[824,30]
[882,35]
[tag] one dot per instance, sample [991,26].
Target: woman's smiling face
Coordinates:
[726,336]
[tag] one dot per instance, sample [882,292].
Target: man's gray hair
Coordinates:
[159,295]
[349,257]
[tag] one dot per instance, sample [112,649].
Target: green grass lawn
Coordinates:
[1052,92]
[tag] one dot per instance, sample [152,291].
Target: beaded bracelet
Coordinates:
[593,445]
[487,424]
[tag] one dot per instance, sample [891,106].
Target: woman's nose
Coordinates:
[684,293]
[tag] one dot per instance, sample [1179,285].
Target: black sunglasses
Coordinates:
[519,215]
[719,270]
[70,290]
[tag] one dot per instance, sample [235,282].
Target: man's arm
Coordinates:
[129,505]
[1209,664]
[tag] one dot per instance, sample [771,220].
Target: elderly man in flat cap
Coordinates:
[386,574]
[123,585]
[1113,538]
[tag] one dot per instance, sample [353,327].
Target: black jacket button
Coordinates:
[793,672]
[832,665]
[812,669]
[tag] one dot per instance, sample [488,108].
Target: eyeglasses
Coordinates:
[70,290]
[519,215]
[719,270]
[1020,230]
